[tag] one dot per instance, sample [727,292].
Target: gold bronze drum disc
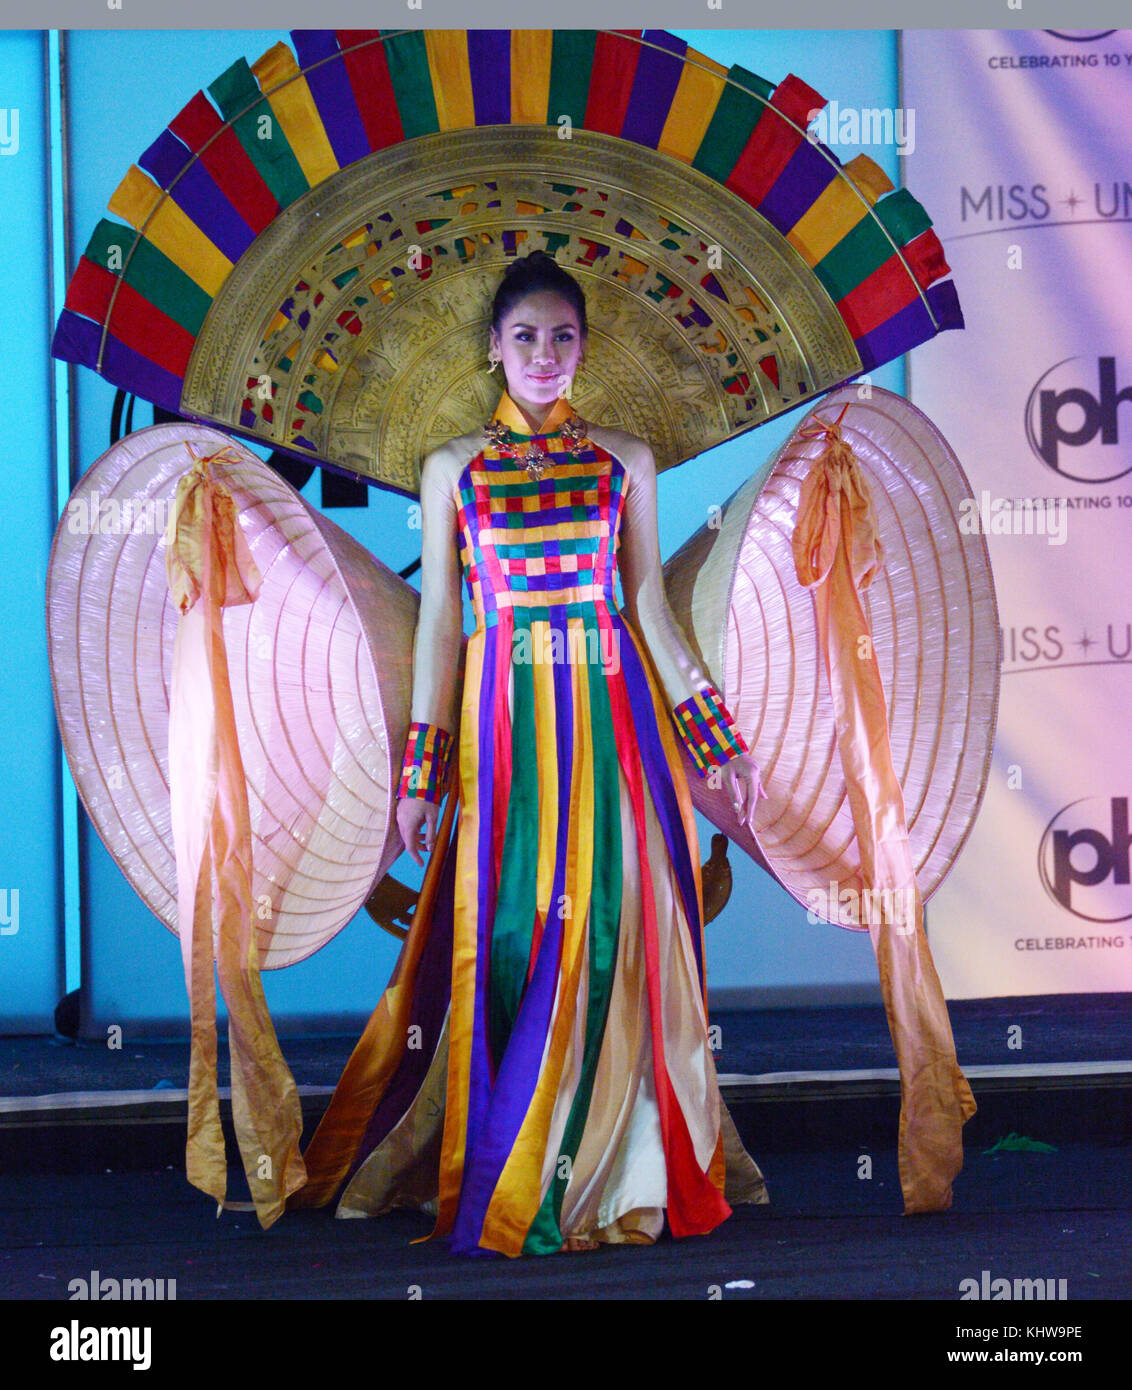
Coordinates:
[354,330]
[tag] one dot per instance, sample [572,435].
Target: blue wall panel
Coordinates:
[31,980]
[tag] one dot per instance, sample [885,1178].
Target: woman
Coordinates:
[573,1076]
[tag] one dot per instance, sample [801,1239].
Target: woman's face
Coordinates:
[540,341]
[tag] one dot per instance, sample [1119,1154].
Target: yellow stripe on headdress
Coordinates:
[530,75]
[697,96]
[837,210]
[295,110]
[172,231]
[451,77]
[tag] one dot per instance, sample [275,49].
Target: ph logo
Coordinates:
[1086,870]
[1062,417]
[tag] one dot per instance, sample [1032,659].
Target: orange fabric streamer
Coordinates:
[379,1050]
[837,553]
[209,567]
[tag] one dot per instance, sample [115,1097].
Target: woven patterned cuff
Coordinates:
[424,771]
[705,724]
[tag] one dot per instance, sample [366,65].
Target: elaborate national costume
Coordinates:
[581,1096]
[323,290]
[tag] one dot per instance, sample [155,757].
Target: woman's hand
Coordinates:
[741,779]
[416,820]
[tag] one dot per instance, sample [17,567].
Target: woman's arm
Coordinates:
[646,603]
[440,623]
[701,718]
[436,655]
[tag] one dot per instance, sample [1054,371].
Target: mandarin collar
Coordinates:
[509,414]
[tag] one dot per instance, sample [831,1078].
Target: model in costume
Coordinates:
[582,1102]
[736,269]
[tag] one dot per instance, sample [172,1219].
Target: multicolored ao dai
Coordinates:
[564,1085]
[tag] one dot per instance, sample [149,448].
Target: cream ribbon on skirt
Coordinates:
[837,552]
[209,567]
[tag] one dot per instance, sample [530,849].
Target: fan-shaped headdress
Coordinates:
[308,258]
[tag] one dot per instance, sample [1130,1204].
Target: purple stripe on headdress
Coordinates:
[659,777]
[480,1078]
[944,299]
[76,339]
[521,1063]
[899,334]
[654,85]
[172,166]
[489,67]
[430,1004]
[807,174]
[133,372]
[330,87]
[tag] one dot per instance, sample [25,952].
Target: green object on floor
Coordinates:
[1018,1143]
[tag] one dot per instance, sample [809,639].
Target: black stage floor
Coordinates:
[91,1156]
[826,1235]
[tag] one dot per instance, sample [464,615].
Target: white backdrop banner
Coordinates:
[1022,157]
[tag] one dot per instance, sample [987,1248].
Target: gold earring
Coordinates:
[494,358]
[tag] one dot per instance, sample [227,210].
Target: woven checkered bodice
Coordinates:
[546,545]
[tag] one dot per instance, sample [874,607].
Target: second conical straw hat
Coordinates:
[320,666]
[934,625]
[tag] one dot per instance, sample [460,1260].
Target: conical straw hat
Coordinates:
[321,669]
[934,623]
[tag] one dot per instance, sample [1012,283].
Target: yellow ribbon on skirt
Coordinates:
[837,553]
[209,567]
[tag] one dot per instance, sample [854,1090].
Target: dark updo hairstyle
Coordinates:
[531,275]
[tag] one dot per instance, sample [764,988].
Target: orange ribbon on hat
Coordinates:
[209,567]
[837,553]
